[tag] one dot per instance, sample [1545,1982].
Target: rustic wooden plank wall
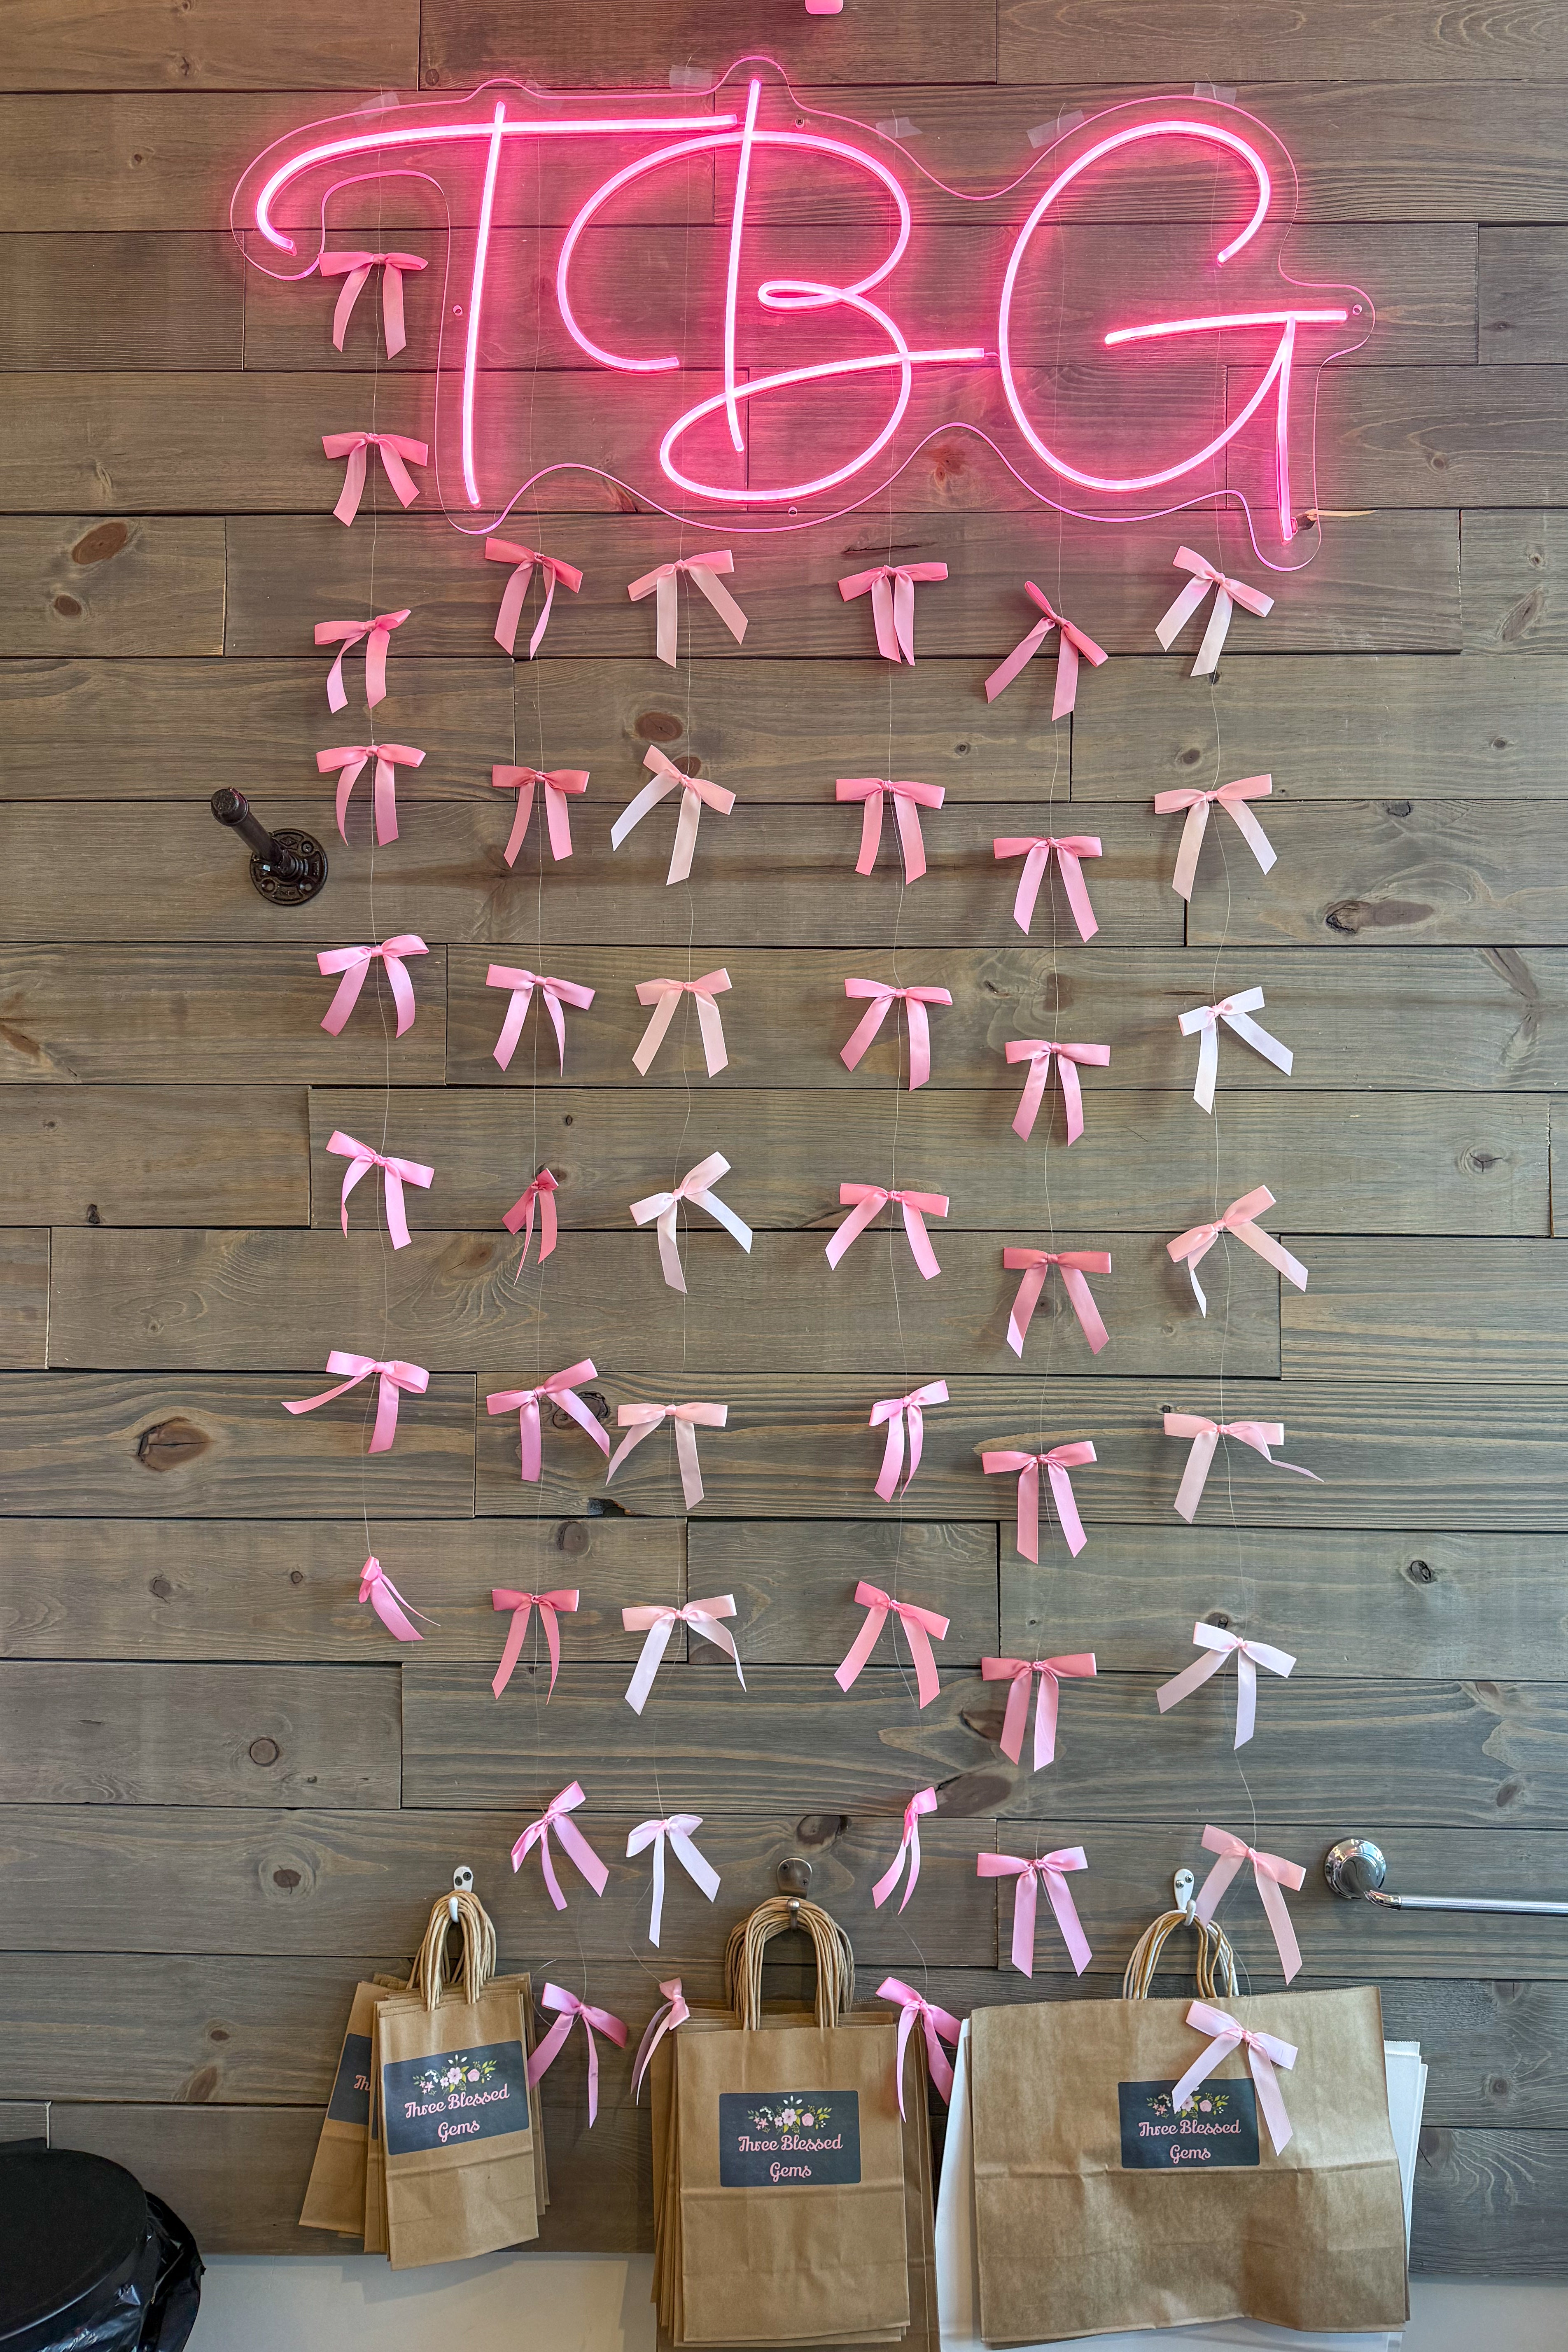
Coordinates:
[223,1793]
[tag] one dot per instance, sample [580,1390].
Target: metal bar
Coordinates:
[1463,1902]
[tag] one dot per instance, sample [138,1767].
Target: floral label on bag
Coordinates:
[1219,2125]
[350,2102]
[459,2095]
[788,2139]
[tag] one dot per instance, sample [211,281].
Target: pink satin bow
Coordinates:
[697,793]
[659,1622]
[1037,1053]
[864,1201]
[1073,642]
[1206,1435]
[939,2026]
[1264,2053]
[392,448]
[676,1834]
[702,571]
[350,760]
[1073,1266]
[523,1605]
[918,1624]
[1031,1876]
[541,1193]
[346,635]
[555,784]
[358,266]
[696,1188]
[914,1002]
[640,1421]
[668,2019]
[1056,1463]
[924,1802]
[1035,849]
[569,2008]
[909,799]
[1248,1656]
[895,1411]
[1020,1673]
[1194,1244]
[556,993]
[892,587]
[1235,1012]
[354,962]
[395,1377]
[664,995]
[573,1842]
[559,1391]
[1233,798]
[394,1173]
[551,571]
[1270,1872]
[1228,595]
[377,1587]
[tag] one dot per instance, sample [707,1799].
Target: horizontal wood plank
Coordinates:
[1523,288]
[1487,1311]
[85,584]
[174,1154]
[1042,40]
[1416,437]
[1516,566]
[1486,2203]
[789,1581]
[206,45]
[619,44]
[23,1296]
[127,301]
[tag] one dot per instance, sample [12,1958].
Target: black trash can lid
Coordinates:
[69,2225]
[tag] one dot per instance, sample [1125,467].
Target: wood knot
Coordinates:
[264,1751]
[98,544]
[287,1879]
[169,1444]
[820,1829]
[1420,1573]
[199,2087]
[658,726]
[68,608]
[571,1538]
[161,1589]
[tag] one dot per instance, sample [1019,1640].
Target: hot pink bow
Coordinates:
[354,962]
[1020,1673]
[350,760]
[1206,1436]
[555,784]
[358,266]
[696,793]
[914,1002]
[346,635]
[659,1622]
[1073,1266]
[1270,1872]
[559,1391]
[1037,1053]
[573,1842]
[550,570]
[696,1188]
[1264,2053]
[1056,1463]
[676,1833]
[1194,1244]
[394,1173]
[702,571]
[892,587]
[1031,1876]
[395,1377]
[864,1201]
[939,2025]
[918,1624]
[1235,1012]
[1233,798]
[1035,849]
[377,1587]
[1073,642]
[909,1850]
[541,1193]
[664,995]
[909,799]
[556,994]
[570,2008]
[392,448]
[640,1421]
[523,1605]
[1229,594]
[895,1411]
[1249,1656]
[668,2019]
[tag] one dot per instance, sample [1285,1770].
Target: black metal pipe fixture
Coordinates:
[286,867]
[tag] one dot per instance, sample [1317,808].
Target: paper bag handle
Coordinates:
[749,1939]
[1215,1971]
[464,1910]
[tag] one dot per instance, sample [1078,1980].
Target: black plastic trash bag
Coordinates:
[88,2261]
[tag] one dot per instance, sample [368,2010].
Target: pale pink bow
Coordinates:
[1264,2053]
[392,448]
[659,1622]
[895,1411]
[346,635]
[354,962]
[1270,1872]
[939,2025]
[664,995]
[1235,1012]
[866,1200]
[1233,798]
[1020,1673]
[702,571]
[1035,849]
[395,1378]
[1031,1876]
[523,1605]
[377,1587]
[1194,1244]
[541,1193]
[697,1189]
[918,1624]
[924,1802]
[1056,1463]
[892,587]
[676,1834]
[1206,1435]
[1073,1266]
[1073,642]
[668,2019]
[358,266]
[573,1842]
[394,1173]
[559,1391]
[1228,595]
[1249,1656]
[696,793]
[914,1002]
[550,570]
[570,2008]
[350,760]
[555,784]
[556,993]
[640,1421]
[1037,1053]
[909,799]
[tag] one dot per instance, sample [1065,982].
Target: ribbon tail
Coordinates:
[1072,1095]
[396,1208]
[718,596]
[685,837]
[653,1037]
[667,610]
[892,1460]
[347,295]
[1268,2099]
[1023,1923]
[1190,1493]
[919,1042]
[669,1252]
[388,1606]
[1252,833]
[928,1683]
[1246,1698]
[521,816]
[1190,1679]
[1186,601]
[1012,1741]
[1261,1042]
[510,612]
[1192,841]
[1279,1919]
[910,839]
[647,1664]
[1023,652]
[919,1241]
[1071,870]
[1029,881]
[882,615]
[352,489]
[1045,1702]
[711,1027]
[1273,1252]
[512,1650]
[1066,1910]
[1027,1528]
[1090,1321]
[337,694]
[1067,677]
[871,833]
[392,319]
[376,651]
[383,800]
[656,1920]
[1023,1310]
[537,639]
[860,1648]
[1208,1065]
[1214,635]
[385,1417]
[904,616]
[690,1469]
[1029,1101]
[1066,1509]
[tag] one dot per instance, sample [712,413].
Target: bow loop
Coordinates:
[909,799]
[551,570]
[395,1172]
[902,1414]
[555,1819]
[866,1200]
[1074,1267]
[664,995]
[523,1605]
[662,582]
[892,591]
